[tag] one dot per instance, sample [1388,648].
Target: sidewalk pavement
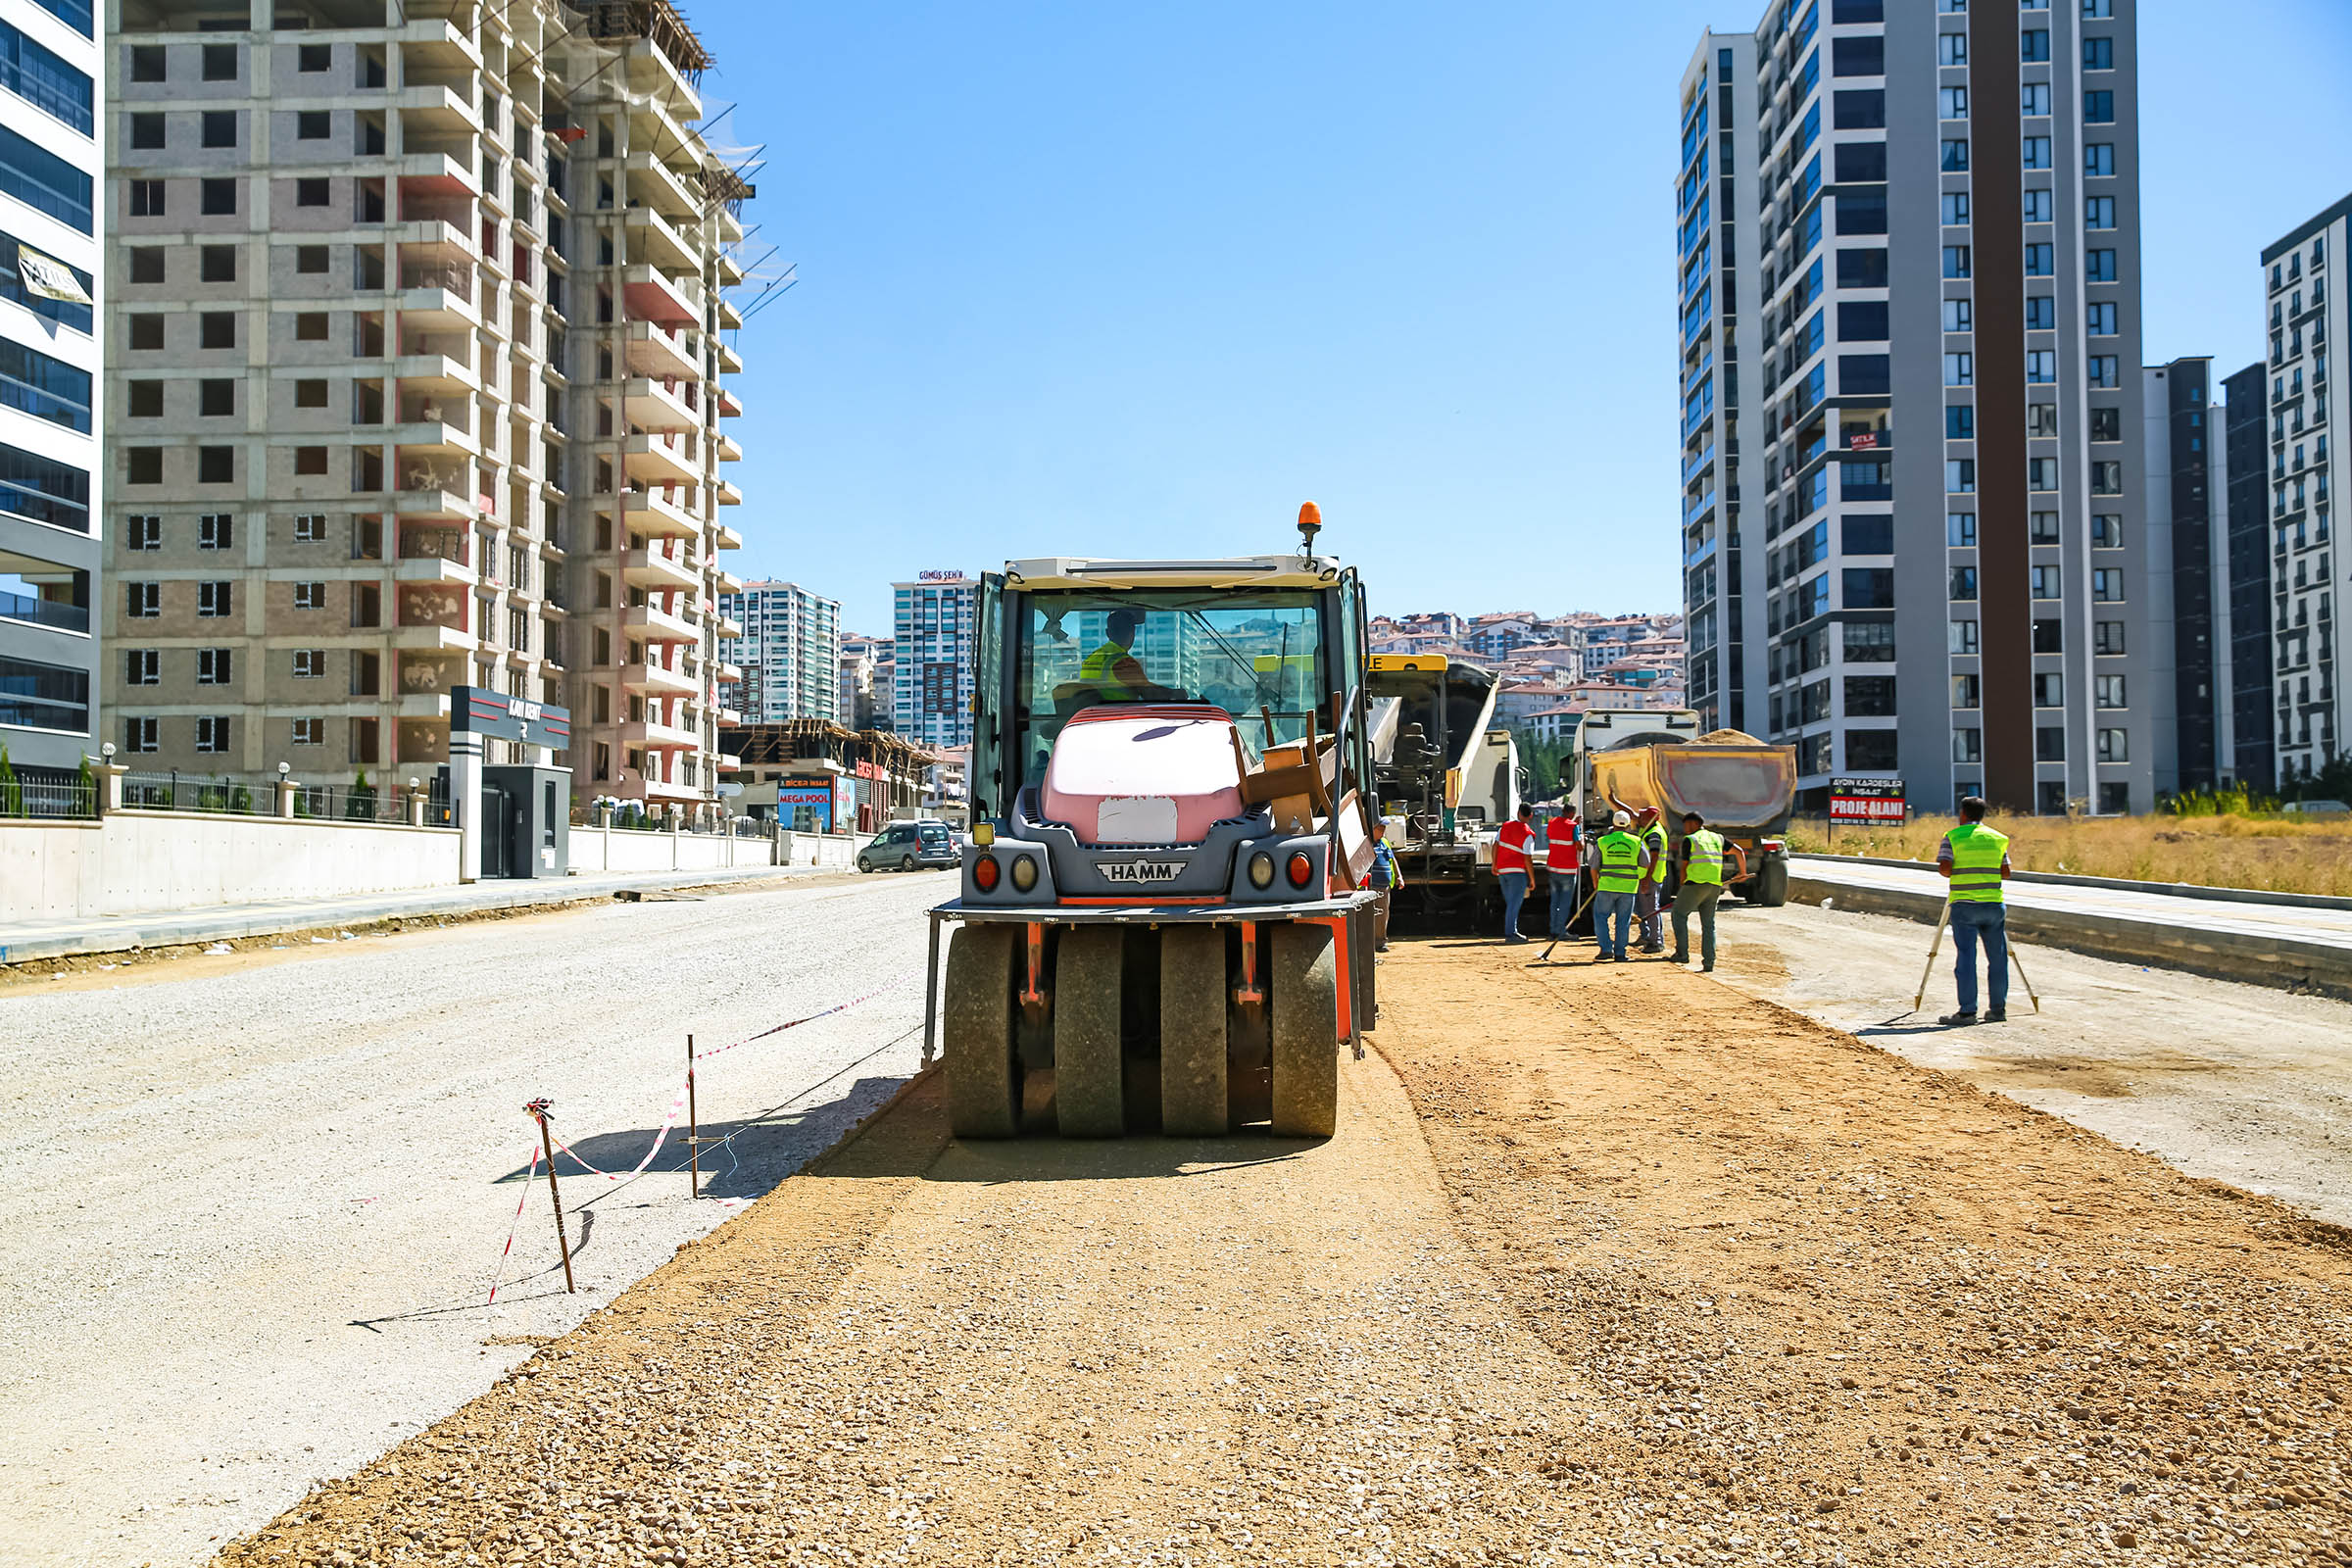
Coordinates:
[23,941]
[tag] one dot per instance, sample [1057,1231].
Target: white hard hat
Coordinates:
[1622,819]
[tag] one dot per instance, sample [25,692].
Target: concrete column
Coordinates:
[465,801]
[285,797]
[110,784]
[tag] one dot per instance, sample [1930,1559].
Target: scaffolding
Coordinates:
[657,21]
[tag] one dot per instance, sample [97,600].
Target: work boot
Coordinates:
[1677,958]
[1958,1020]
[1997,1016]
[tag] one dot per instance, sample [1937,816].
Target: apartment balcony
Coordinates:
[726,673]
[727,715]
[432,569]
[727,448]
[650,732]
[442,176]
[725,624]
[667,457]
[434,374]
[728,314]
[662,626]
[723,581]
[651,238]
[650,405]
[446,227]
[656,680]
[730,269]
[723,536]
[654,183]
[648,512]
[437,295]
[425,433]
[652,295]
[429,493]
[650,568]
[730,363]
[730,407]
[728,495]
[435,109]
[658,352]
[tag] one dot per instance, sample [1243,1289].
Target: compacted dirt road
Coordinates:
[1604,1265]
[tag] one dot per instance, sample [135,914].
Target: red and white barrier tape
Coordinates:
[811,1018]
[513,1226]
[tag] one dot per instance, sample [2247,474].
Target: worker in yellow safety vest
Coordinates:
[1111,670]
[1619,863]
[1975,861]
[1703,887]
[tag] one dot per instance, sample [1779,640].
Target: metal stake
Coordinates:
[547,1143]
[2021,975]
[1932,949]
[931,996]
[693,1133]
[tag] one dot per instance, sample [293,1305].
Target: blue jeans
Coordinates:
[1612,922]
[1514,894]
[1988,923]
[1563,901]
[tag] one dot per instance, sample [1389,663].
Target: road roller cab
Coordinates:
[1159,926]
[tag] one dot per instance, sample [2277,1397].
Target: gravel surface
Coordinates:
[260,1194]
[2241,1083]
[1603,1265]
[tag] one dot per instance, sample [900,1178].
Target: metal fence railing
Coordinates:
[36,795]
[197,792]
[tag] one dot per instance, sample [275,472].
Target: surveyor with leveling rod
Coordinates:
[1975,860]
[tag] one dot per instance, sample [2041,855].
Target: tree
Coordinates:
[12,793]
[359,805]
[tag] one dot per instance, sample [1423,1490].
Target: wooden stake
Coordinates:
[694,1135]
[547,1143]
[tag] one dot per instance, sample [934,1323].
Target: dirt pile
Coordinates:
[1690,1280]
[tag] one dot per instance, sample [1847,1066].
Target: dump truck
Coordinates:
[1447,776]
[1159,924]
[1744,787]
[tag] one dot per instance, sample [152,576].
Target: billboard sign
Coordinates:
[805,803]
[1875,801]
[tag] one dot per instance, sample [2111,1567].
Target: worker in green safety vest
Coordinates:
[1975,860]
[1116,674]
[1619,861]
[1702,889]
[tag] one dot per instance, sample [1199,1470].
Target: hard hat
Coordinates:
[1621,820]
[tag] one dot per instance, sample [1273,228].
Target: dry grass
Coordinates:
[2270,854]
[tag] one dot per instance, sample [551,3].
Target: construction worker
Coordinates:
[1703,887]
[1616,878]
[1512,866]
[1562,859]
[1384,877]
[1111,670]
[1975,861]
[1650,900]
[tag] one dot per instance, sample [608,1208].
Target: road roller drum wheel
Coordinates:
[976,1018]
[1306,1004]
[1088,1076]
[1192,1031]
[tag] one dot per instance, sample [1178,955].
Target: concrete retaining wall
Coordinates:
[2256,960]
[817,849]
[143,861]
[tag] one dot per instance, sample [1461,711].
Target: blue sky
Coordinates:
[1136,280]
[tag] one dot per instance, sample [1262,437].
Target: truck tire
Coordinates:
[976,1023]
[1306,1022]
[1772,883]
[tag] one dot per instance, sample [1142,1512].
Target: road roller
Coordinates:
[1161,925]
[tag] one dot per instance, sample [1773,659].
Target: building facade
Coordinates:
[2306,313]
[789,653]
[864,664]
[932,654]
[2248,746]
[417,381]
[51,520]
[1944,470]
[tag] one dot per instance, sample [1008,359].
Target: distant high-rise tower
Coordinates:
[1941,572]
[2308,314]
[789,653]
[931,698]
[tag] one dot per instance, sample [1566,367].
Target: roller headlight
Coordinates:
[985,872]
[1025,872]
[1261,870]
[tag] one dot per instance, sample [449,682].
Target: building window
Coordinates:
[2099,160]
[1951,48]
[311,192]
[310,394]
[2104,369]
[2046,580]
[2098,267]
[140,734]
[220,128]
[214,665]
[2043,529]
[143,531]
[310,258]
[142,601]
[1960,530]
[216,264]
[147,62]
[1967,692]
[146,198]
[1964,584]
[216,329]
[1964,637]
[40,179]
[309,528]
[220,62]
[310,461]
[2042,260]
[310,732]
[217,198]
[2034,152]
[1956,262]
[146,399]
[310,663]
[2033,98]
[2037,206]
[2041,367]
[1960,475]
[216,398]
[312,125]
[142,666]
[216,465]
[214,599]
[2050,744]
[1955,154]
[2041,473]
[146,264]
[2041,418]
[2107,585]
[1951,103]
[2115,745]
[2109,690]
[216,530]
[2107,530]
[310,326]
[1955,206]
[212,733]
[2034,43]
[146,132]
[2098,107]
[2107,637]
[310,596]
[2050,636]
[1960,423]
[2049,690]
[1968,746]
[2107,478]
[2098,211]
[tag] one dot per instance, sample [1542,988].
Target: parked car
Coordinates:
[2318,808]
[903,846]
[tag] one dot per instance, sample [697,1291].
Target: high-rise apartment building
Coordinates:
[50,518]
[2307,318]
[2248,748]
[865,665]
[2187,522]
[415,382]
[1941,574]
[789,653]
[932,654]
